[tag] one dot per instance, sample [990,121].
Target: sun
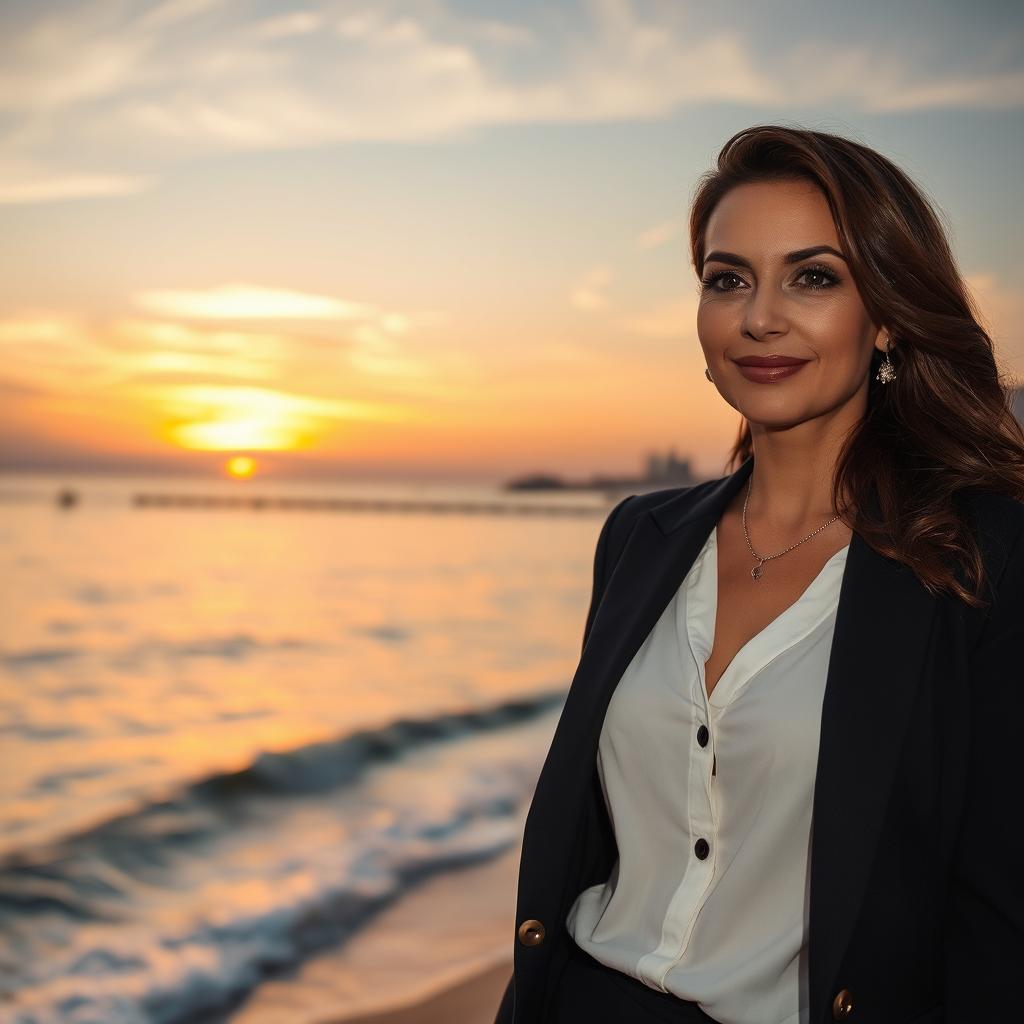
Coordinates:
[240,467]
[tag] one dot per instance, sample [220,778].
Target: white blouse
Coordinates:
[709,896]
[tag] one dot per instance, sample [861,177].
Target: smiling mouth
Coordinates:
[770,361]
[767,371]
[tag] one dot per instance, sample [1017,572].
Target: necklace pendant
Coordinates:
[756,571]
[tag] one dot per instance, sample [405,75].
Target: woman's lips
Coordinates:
[767,374]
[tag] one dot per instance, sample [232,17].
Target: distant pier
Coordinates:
[261,503]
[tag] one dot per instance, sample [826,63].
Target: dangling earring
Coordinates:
[707,373]
[886,371]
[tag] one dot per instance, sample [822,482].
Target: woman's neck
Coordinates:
[790,491]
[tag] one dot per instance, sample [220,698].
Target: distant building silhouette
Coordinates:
[662,470]
[668,470]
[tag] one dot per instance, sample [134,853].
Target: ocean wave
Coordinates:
[174,912]
[195,808]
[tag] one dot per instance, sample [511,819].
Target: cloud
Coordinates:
[59,354]
[170,12]
[589,294]
[190,77]
[250,302]
[49,351]
[503,32]
[32,328]
[313,337]
[296,23]
[675,319]
[218,418]
[158,350]
[877,81]
[370,340]
[203,399]
[22,188]
[227,388]
[1000,91]
[658,235]
[16,389]
[183,337]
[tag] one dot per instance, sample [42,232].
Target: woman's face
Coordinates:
[759,299]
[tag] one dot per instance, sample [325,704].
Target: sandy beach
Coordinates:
[472,1001]
[442,955]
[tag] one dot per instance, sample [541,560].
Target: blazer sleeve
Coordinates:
[604,562]
[984,934]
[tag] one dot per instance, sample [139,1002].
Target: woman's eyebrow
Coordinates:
[792,257]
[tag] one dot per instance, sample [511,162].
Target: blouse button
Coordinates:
[701,848]
[702,735]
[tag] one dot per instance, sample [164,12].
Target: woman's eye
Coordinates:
[711,280]
[825,278]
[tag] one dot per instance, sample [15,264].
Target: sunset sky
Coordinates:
[439,239]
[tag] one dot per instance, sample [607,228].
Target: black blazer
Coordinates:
[917,854]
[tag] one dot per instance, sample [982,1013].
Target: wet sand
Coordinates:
[473,1001]
[442,955]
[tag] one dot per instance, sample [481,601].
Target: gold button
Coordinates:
[531,932]
[842,1005]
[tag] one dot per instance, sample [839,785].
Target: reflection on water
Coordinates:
[228,737]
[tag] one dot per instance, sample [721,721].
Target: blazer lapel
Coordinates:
[869,694]
[872,681]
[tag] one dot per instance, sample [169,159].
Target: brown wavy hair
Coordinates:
[943,428]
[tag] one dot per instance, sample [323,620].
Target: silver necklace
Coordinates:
[756,571]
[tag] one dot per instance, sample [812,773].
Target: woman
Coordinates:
[784,784]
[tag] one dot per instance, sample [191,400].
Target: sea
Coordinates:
[235,732]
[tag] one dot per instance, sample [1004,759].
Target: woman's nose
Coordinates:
[764,315]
